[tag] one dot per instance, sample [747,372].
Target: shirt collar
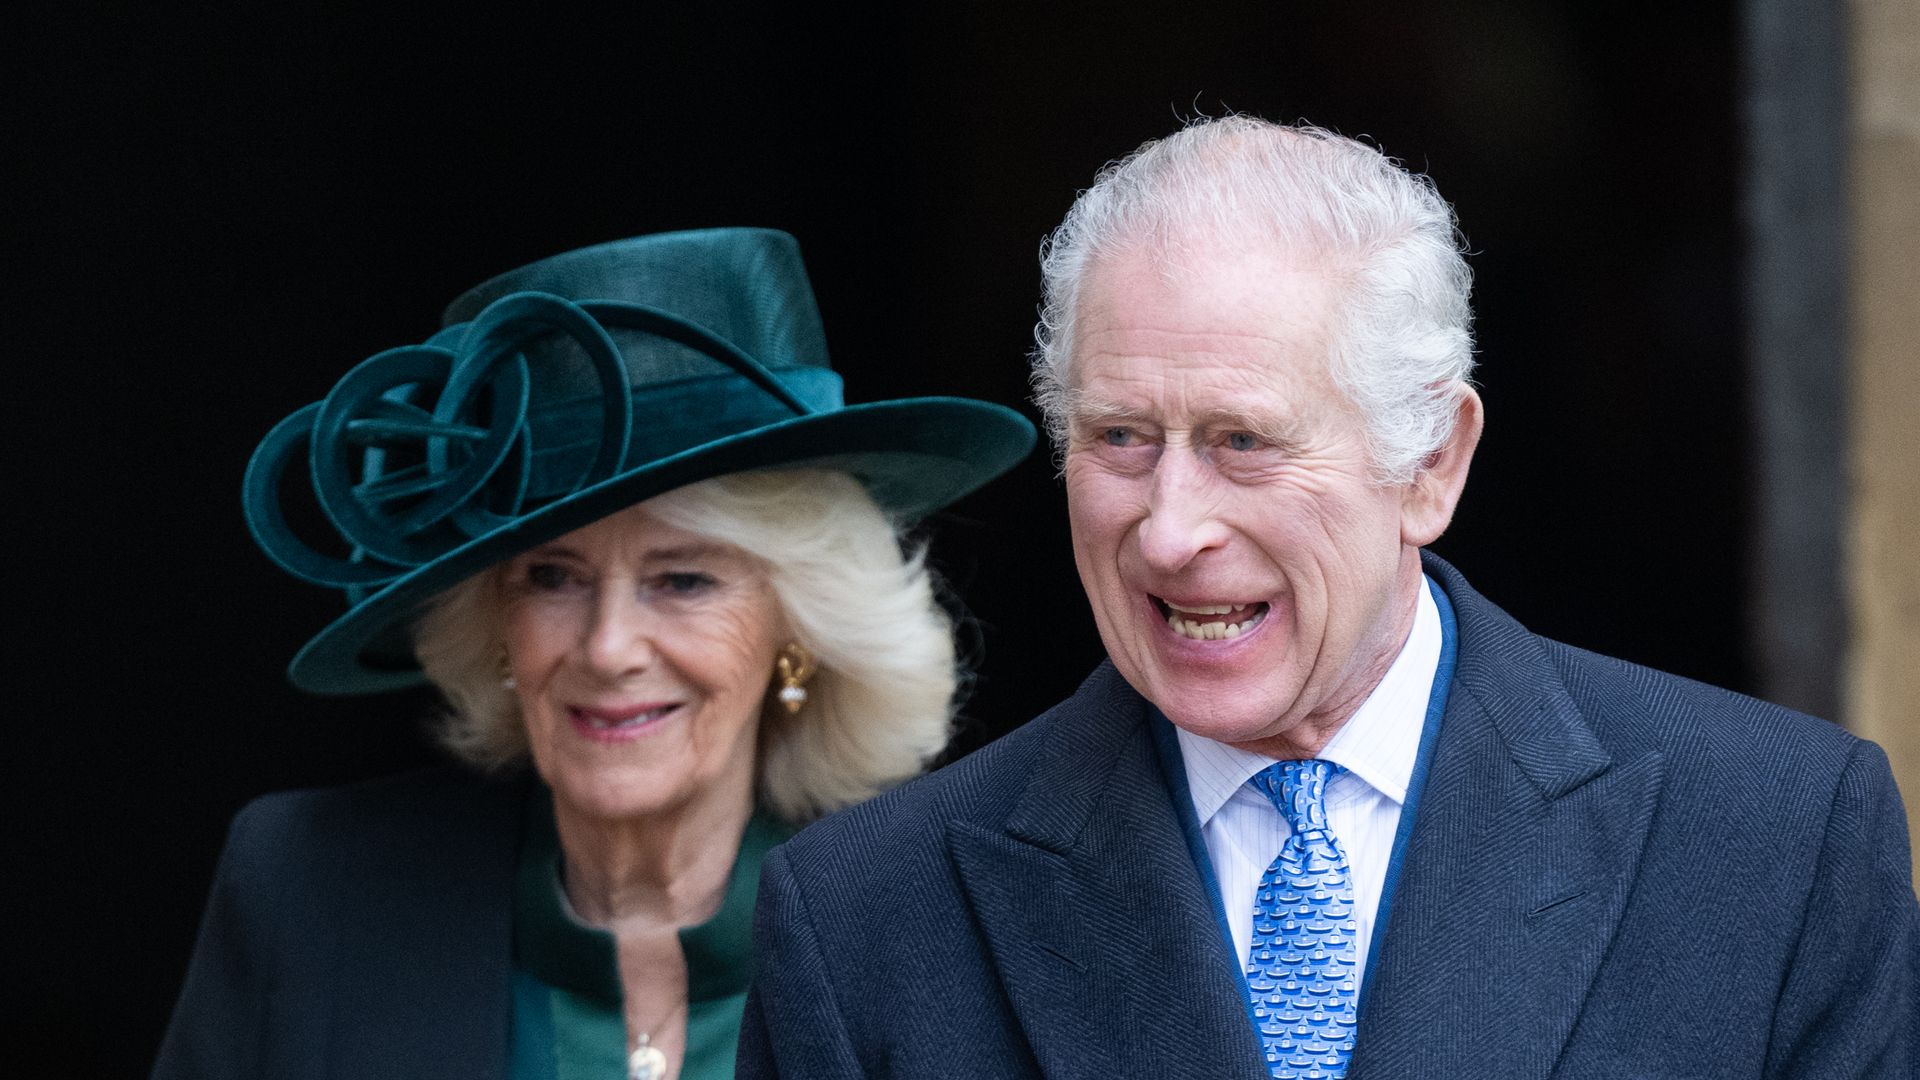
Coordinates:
[1377,744]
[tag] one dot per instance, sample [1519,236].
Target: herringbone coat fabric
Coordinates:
[1614,873]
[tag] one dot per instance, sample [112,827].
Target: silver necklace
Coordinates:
[646,1062]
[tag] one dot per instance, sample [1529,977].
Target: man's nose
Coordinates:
[619,638]
[1182,513]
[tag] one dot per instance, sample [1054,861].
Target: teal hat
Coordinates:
[564,391]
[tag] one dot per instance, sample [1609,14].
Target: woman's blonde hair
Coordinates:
[854,595]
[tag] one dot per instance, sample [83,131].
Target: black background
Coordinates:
[223,211]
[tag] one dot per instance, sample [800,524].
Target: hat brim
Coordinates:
[915,456]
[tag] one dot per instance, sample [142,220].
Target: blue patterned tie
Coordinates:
[1302,971]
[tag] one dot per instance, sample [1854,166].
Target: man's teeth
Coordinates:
[1210,629]
[1204,609]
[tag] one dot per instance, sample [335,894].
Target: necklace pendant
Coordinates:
[646,1062]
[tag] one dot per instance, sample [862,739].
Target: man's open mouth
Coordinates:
[1212,622]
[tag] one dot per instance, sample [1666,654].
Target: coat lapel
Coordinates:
[1518,870]
[1100,929]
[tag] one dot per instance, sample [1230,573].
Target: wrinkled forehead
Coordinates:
[1176,335]
[1155,300]
[1183,250]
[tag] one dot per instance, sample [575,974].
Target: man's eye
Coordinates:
[1240,440]
[1117,436]
[547,576]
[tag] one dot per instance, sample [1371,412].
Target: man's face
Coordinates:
[1246,574]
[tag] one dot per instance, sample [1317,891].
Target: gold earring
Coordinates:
[507,681]
[795,665]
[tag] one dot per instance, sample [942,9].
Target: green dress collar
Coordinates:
[578,963]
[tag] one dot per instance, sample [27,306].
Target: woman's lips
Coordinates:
[618,723]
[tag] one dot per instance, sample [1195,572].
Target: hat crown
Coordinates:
[745,286]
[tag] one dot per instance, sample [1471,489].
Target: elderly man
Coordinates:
[1328,811]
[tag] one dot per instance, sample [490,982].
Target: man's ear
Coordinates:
[1427,502]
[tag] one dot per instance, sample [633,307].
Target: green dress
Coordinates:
[567,1018]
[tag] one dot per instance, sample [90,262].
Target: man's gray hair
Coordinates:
[1402,350]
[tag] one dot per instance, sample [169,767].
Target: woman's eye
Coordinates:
[1240,440]
[547,576]
[685,583]
[1117,436]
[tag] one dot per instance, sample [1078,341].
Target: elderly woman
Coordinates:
[617,513]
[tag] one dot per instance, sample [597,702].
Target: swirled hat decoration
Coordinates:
[565,391]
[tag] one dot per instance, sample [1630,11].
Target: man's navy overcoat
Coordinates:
[1613,873]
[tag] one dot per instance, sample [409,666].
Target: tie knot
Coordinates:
[1298,789]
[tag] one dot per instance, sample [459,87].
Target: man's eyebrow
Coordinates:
[1094,412]
[1282,431]
[1090,412]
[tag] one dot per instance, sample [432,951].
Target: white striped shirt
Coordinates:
[1377,746]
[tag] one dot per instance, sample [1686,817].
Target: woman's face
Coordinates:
[642,654]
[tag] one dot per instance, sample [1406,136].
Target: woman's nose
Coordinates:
[619,640]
